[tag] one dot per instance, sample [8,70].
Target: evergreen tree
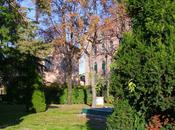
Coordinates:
[20,55]
[143,68]
[10,20]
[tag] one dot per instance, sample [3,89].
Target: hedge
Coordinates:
[58,94]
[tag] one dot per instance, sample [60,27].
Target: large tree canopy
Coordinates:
[20,54]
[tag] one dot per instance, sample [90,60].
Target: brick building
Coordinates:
[97,63]
[56,65]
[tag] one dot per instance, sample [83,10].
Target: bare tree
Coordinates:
[72,25]
[107,20]
[65,30]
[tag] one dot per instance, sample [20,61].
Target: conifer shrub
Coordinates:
[38,99]
[125,117]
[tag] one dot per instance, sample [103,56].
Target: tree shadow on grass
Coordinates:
[97,117]
[96,123]
[11,114]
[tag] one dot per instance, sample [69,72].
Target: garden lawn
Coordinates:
[61,117]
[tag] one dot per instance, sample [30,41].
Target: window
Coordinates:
[111,45]
[120,40]
[103,67]
[95,67]
[103,46]
[48,63]
[95,50]
[82,78]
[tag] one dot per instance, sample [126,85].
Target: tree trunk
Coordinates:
[69,80]
[94,91]
[69,90]
[91,83]
[93,80]
[106,79]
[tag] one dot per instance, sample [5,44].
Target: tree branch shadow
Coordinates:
[96,122]
[11,115]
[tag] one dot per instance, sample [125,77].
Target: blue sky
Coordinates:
[29,4]
[31,15]
[82,65]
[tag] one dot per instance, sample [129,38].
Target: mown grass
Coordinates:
[66,117]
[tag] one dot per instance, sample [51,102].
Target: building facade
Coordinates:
[97,62]
[56,68]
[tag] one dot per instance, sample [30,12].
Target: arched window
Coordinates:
[95,50]
[103,47]
[104,67]
[95,67]
[111,45]
[120,40]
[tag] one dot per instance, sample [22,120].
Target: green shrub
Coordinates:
[63,97]
[38,100]
[168,127]
[125,117]
[79,96]
[110,99]
[100,86]
[54,93]
[57,93]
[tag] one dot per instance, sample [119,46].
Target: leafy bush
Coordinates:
[125,117]
[110,99]
[100,86]
[38,99]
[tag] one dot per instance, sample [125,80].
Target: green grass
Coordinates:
[65,117]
